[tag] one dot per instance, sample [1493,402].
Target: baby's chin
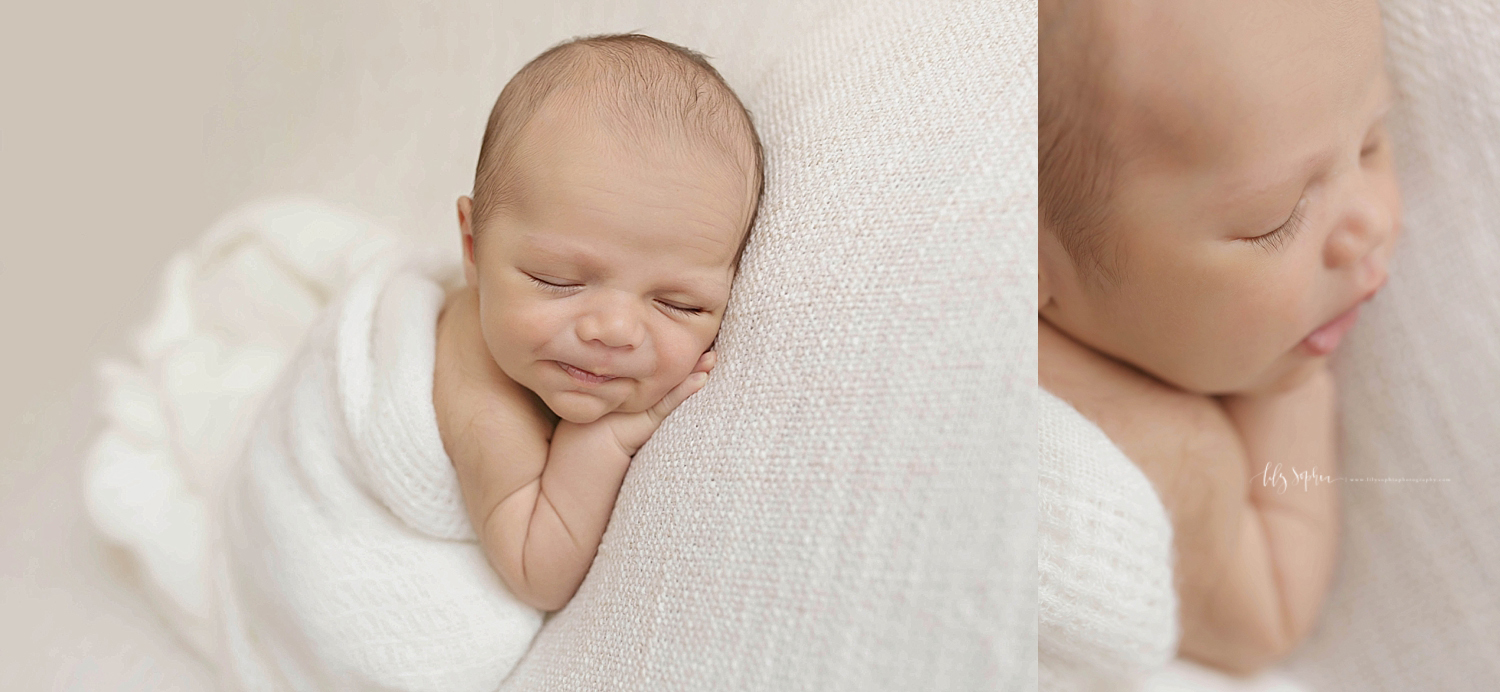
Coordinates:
[1281,375]
[582,409]
[1287,377]
[576,407]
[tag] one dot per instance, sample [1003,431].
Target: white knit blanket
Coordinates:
[1107,611]
[307,534]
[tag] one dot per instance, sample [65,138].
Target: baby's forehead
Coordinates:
[631,128]
[575,160]
[1196,77]
[592,188]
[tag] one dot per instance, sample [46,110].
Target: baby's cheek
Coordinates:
[1237,326]
[497,334]
[530,325]
[1273,321]
[675,359]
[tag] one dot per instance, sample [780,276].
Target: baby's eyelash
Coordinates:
[680,309]
[1283,234]
[549,285]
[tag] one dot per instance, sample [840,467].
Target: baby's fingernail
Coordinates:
[698,378]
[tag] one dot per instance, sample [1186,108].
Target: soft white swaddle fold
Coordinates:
[304,528]
[1107,611]
[1107,608]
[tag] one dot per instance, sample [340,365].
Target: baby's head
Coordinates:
[1216,183]
[616,187]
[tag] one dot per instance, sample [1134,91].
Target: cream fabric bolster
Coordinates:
[850,503]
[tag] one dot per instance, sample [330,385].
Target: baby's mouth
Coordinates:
[582,375]
[1323,340]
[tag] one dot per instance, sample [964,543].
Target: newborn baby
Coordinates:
[433,467]
[1217,200]
[616,186]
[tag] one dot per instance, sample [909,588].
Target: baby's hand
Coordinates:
[1291,458]
[545,543]
[631,430]
[1253,558]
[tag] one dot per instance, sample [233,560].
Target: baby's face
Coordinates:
[1256,206]
[603,285]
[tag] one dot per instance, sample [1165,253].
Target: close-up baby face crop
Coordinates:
[607,278]
[1252,205]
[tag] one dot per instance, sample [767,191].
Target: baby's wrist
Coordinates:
[627,437]
[605,436]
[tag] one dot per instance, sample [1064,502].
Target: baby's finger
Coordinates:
[679,394]
[706,362]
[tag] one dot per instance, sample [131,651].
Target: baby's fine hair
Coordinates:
[636,83]
[1076,157]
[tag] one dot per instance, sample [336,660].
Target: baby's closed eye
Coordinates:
[1278,237]
[681,308]
[551,281]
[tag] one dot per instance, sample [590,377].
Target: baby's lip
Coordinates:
[1326,337]
[1323,340]
[584,376]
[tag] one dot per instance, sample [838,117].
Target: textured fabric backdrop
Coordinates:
[1415,604]
[850,504]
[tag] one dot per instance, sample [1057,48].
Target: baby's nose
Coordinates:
[613,323]
[1368,226]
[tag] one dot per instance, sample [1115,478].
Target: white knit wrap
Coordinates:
[1107,609]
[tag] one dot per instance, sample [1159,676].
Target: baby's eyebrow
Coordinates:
[1314,163]
[708,290]
[569,255]
[1258,188]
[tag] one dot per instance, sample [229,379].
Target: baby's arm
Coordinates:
[539,497]
[545,530]
[1296,536]
[1247,592]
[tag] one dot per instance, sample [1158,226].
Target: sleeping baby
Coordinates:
[435,466]
[616,187]
[1217,201]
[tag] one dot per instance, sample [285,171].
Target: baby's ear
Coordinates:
[466,237]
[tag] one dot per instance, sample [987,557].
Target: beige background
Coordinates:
[125,130]
[103,172]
